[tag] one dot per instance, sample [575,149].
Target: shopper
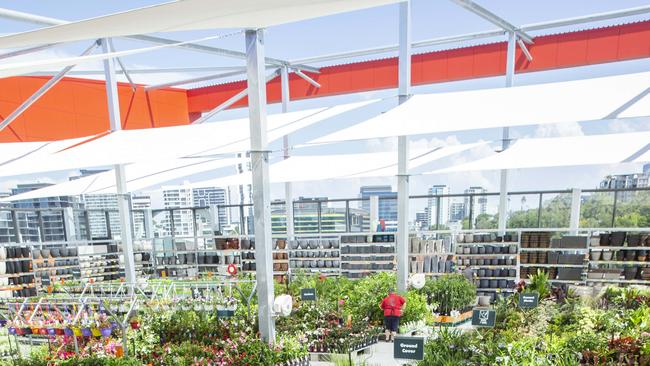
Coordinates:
[392,307]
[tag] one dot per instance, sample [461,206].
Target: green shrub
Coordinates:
[450,292]
[416,307]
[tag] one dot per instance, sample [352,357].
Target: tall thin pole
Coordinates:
[403,148]
[261,186]
[288,189]
[503,189]
[123,199]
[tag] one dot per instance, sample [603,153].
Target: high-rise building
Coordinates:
[387,204]
[51,224]
[204,197]
[633,180]
[479,203]
[422,220]
[98,205]
[182,220]
[456,211]
[306,217]
[437,213]
[140,202]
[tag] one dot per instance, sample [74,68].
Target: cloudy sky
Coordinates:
[360,30]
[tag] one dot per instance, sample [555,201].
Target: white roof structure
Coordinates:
[189,15]
[564,151]
[339,166]
[138,177]
[161,144]
[570,101]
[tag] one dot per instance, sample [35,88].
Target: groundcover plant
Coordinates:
[612,328]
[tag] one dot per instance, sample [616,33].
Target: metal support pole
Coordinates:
[614,208]
[17,234]
[503,189]
[402,249]
[123,202]
[539,211]
[348,224]
[288,188]
[574,221]
[261,182]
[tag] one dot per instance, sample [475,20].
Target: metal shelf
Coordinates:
[496,243]
[553,249]
[546,265]
[487,255]
[619,248]
[621,262]
[640,282]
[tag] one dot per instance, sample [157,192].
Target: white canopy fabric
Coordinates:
[189,15]
[339,166]
[570,101]
[561,151]
[156,144]
[15,153]
[139,176]
[22,68]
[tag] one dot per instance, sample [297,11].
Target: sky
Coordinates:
[366,29]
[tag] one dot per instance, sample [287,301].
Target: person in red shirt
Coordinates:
[392,307]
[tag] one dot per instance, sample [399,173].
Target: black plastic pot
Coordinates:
[604,240]
[617,238]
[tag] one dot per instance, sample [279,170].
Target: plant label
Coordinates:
[76,273]
[410,348]
[308,294]
[484,318]
[45,281]
[528,301]
[225,313]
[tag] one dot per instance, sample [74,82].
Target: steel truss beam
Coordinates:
[166,70]
[479,35]
[234,99]
[493,18]
[36,19]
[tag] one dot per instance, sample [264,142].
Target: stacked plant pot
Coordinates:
[493,260]
[280,260]
[365,254]
[98,261]
[429,255]
[620,257]
[55,262]
[562,258]
[16,276]
[248,255]
[320,255]
[227,251]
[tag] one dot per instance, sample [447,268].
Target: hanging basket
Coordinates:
[106,332]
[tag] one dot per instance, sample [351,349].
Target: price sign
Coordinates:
[76,273]
[45,281]
[308,294]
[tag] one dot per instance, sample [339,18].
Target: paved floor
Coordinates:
[380,354]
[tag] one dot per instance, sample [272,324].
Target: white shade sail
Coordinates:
[165,143]
[570,101]
[339,166]
[17,153]
[562,151]
[189,15]
[139,176]
[22,68]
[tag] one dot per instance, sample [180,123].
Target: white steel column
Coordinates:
[261,183]
[503,189]
[401,249]
[123,201]
[288,189]
[574,221]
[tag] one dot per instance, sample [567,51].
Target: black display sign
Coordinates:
[76,273]
[528,301]
[45,281]
[484,318]
[410,348]
[225,313]
[308,294]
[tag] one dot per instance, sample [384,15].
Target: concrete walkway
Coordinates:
[380,354]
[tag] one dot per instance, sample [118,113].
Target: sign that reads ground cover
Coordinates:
[308,294]
[528,301]
[410,348]
[484,318]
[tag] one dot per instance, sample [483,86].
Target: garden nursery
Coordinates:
[207,322]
